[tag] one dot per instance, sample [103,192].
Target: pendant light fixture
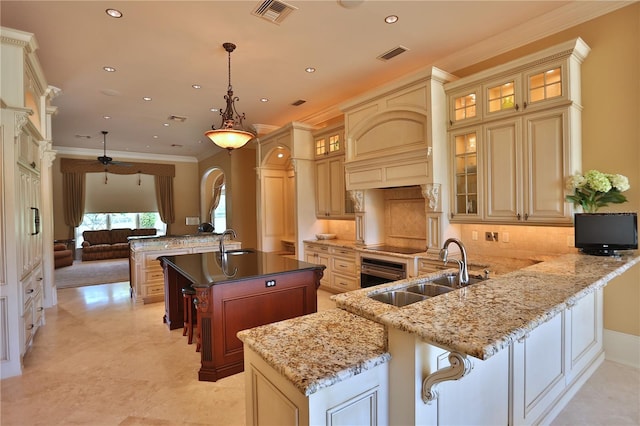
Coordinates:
[231,134]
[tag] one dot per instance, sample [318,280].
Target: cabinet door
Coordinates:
[465,106]
[466,199]
[538,371]
[584,334]
[331,194]
[546,166]
[502,170]
[323,188]
[502,97]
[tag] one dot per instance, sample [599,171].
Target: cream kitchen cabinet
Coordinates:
[332,199]
[527,160]
[526,143]
[33,305]
[341,273]
[329,141]
[319,254]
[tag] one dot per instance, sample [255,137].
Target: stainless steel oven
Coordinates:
[377,271]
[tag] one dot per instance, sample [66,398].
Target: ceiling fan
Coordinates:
[106,160]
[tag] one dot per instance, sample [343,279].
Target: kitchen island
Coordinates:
[509,350]
[237,290]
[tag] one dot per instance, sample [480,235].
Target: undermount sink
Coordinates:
[398,298]
[239,251]
[429,289]
[451,280]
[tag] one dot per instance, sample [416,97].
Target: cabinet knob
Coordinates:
[517,107]
[518,216]
[30,291]
[524,105]
[526,216]
[31,326]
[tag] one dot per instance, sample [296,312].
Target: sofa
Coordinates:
[62,256]
[110,243]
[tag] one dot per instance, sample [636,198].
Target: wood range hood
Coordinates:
[395,133]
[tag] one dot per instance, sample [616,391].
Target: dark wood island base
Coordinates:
[278,289]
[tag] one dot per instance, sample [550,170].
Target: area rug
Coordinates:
[92,272]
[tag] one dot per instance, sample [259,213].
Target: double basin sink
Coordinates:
[420,292]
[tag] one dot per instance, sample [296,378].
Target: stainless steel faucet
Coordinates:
[463,270]
[232,235]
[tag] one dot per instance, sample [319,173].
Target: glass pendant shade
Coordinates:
[229,138]
[231,134]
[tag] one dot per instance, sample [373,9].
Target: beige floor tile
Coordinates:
[103,360]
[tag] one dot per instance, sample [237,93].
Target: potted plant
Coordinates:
[595,189]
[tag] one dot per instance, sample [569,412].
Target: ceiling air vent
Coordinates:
[273,10]
[178,118]
[392,53]
[298,102]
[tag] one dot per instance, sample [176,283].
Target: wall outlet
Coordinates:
[488,236]
[495,236]
[192,220]
[270,283]
[474,235]
[505,237]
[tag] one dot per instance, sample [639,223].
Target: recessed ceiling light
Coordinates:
[114,13]
[391,19]
[107,117]
[214,110]
[147,98]
[196,86]
[155,136]
[264,100]
[166,124]
[280,155]
[109,69]
[310,69]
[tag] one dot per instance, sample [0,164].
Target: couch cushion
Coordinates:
[120,235]
[144,231]
[102,236]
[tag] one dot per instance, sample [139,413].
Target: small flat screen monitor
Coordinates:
[604,234]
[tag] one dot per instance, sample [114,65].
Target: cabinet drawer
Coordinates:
[343,283]
[343,252]
[155,274]
[153,290]
[429,266]
[344,266]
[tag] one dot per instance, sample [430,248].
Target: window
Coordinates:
[95,221]
[220,213]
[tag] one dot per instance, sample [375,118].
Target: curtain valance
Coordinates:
[74,165]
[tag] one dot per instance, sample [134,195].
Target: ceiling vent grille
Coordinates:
[298,102]
[392,53]
[273,10]
[178,118]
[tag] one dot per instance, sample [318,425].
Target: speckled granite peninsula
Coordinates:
[525,340]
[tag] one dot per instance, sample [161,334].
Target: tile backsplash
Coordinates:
[522,242]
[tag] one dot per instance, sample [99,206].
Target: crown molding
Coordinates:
[570,15]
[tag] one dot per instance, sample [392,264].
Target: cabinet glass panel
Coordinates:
[334,143]
[545,85]
[465,106]
[466,174]
[320,146]
[502,97]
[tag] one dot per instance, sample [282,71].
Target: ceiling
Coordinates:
[161,48]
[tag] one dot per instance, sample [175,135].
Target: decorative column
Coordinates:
[433,210]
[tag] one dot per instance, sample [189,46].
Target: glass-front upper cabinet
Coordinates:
[465,177]
[329,144]
[503,96]
[464,106]
[546,85]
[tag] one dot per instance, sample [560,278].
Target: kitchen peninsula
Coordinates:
[509,350]
[237,290]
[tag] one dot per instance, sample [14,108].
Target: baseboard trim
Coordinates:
[622,348]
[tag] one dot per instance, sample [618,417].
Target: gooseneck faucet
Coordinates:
[463,271]
[232,235]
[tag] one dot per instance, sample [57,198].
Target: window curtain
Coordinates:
[73,190]
[74,197]
[164,194]
[216,191]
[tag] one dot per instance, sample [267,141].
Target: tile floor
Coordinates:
[101,360]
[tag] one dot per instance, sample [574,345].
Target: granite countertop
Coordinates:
[315,351]
[157,242]
[210,268]
[484,318]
